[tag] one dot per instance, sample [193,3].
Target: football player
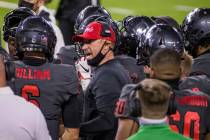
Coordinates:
[11,22]
[196,32]
[191,118]
[38,6]
[157,36]
[51,87]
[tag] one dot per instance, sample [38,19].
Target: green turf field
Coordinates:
[121,8]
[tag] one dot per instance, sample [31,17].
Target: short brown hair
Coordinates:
[166,63]
[154,94]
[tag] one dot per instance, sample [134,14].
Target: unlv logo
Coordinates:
[89,29]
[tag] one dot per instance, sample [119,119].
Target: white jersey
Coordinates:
[19,119]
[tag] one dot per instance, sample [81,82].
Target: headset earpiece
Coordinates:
[105,30]
[172,107]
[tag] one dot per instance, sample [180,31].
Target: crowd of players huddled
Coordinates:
[94,89]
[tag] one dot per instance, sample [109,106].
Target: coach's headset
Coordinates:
[135,105]
[106,32]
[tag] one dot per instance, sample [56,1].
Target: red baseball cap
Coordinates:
[93,32]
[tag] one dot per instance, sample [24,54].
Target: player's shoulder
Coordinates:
[125,57]
[62,67]
[126,61]
[193,79]
[189,92]
[192,98]
[63,72]
[129,63]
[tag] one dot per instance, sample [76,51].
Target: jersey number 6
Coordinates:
[30,91]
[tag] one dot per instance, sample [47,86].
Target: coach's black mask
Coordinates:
[99,57]
[23,3]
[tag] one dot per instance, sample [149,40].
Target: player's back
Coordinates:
[191,118]
[196,83]
[48,86]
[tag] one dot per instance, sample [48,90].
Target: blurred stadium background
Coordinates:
[121,8]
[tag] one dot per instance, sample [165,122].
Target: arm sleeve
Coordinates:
[73,86]
[41,132]
[106,98]
[71,112]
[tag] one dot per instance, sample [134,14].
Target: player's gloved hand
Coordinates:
[84,71]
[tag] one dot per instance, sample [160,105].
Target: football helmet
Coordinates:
[89,11]
[35,34]
[12,20]
[132,30]
[196,29]
[166,20]
[88,20]
[159,36]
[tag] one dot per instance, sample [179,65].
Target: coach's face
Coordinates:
[92,47]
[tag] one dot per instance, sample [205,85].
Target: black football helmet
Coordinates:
[159,36]
[12,20]
[88,20]
[132,30]
[196,29]
[35,34]
[166,20]
[89,11]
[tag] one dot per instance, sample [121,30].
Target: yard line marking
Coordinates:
[8,5]
[184,8]
[11,5]
[121,11]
